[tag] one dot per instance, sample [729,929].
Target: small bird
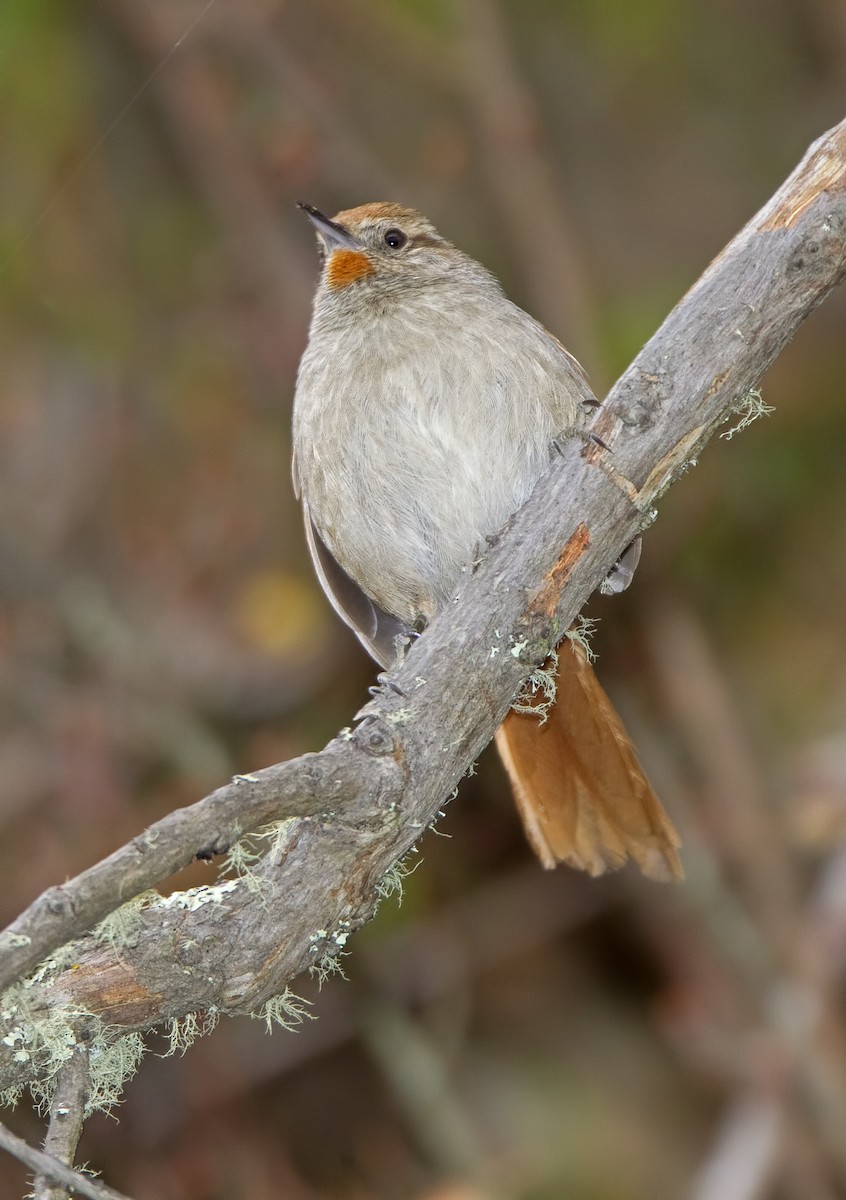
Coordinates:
[427,407]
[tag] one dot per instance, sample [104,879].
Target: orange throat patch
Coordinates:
[346,267]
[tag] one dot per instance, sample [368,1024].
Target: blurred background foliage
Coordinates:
[505,1033]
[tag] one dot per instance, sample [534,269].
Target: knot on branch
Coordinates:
[375,736]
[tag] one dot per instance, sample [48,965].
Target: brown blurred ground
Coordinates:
[505,1033]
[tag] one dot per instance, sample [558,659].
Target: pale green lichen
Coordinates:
[120,928]
[52,965]
[16,941]
[42,1039]
[246,852]
[581,632]
[328,964]
[239,862]
[45,1042]
[279,834]
[287,1010]
[110,1065]
[537,695]
[197,897]
[10,1096]
[182,1033]
[392,882]
[749,408]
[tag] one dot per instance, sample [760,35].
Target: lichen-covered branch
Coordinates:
[335,822]
[67,1114]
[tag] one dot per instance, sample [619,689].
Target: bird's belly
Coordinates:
[405,494]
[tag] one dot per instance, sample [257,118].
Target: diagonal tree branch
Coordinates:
[352,811]
[73,1181]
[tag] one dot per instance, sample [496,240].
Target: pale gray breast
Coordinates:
[433,435]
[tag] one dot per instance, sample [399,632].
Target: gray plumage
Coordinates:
[425,412]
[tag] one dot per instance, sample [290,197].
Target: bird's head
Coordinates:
[382,248]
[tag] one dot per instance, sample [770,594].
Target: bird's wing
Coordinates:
[377,630]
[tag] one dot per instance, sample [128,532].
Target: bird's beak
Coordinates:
[333,235]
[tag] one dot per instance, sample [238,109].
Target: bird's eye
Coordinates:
[395,238]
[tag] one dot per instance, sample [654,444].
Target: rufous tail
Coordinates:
[580,790]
